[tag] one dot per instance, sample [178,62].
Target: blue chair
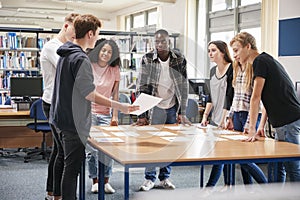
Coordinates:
[192,110]
[124,98]
[39,124]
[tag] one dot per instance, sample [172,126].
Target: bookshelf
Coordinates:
[20,50]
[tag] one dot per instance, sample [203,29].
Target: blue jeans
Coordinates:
[289,133]
[92,154]
[248,169]
[215,175]
[161,116]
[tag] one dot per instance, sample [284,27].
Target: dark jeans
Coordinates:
[215,175]
[161,116]
[56,164]
[248,169]
[74,154]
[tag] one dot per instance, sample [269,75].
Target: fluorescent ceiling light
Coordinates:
[87,1]
[46,10]
[19,18]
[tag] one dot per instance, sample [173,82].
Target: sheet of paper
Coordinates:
[162,133]
[124,134]
[98,134]
[111,128]
[192,132]
[180,127]
[109,140]
[146,102]
[225,132]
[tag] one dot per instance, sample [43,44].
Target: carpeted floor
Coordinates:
[26,181]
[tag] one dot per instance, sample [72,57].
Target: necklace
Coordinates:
[220,74]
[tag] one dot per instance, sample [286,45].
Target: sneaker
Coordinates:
[48,197]
[147,185]
[108,189]
[166,184]
[94,188]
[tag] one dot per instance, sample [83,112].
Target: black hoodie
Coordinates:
[70,111]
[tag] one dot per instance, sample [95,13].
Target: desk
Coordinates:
[190,146]
[15,134]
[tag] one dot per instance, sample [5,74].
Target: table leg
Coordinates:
[126,183]
[101,193]
[82,181]
[201,175]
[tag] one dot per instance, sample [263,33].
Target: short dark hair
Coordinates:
[161,31]
[115,58]
[71,17]
[85,23]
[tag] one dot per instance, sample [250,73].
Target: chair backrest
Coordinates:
[124,98]
[36,110]
[192,110]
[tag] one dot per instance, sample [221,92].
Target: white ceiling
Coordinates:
[50,13]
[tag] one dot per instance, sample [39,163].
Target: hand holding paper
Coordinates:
[146,102]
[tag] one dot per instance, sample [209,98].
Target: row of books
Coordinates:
[13,41]
[16,61]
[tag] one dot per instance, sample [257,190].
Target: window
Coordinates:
[225,18]
[144,21]
[138,20]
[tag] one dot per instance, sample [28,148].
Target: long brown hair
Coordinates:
[222,46]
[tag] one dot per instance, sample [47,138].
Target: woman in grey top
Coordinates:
[220,95]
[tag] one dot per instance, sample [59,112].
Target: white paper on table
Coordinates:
[236,137]
[110,128]
[98,134]
[119,134]
[162,133]
[146,102]
[108,140]
[180,127]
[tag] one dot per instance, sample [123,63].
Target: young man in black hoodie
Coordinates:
[71,102]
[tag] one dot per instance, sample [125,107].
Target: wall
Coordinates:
[289,9]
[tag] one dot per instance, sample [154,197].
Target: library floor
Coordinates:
[21,180]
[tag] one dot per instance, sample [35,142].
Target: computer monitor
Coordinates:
[197,86]
[26,87]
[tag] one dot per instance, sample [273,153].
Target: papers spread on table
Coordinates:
[225,132]
[111,128]
[146,102]
[120,134]
[98,134]
[109,139]
[162,133]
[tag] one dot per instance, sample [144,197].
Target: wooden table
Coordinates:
[15,134]
[191,146]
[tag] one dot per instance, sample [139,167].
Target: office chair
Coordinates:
[124,98]
[39,125]
[192,110]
